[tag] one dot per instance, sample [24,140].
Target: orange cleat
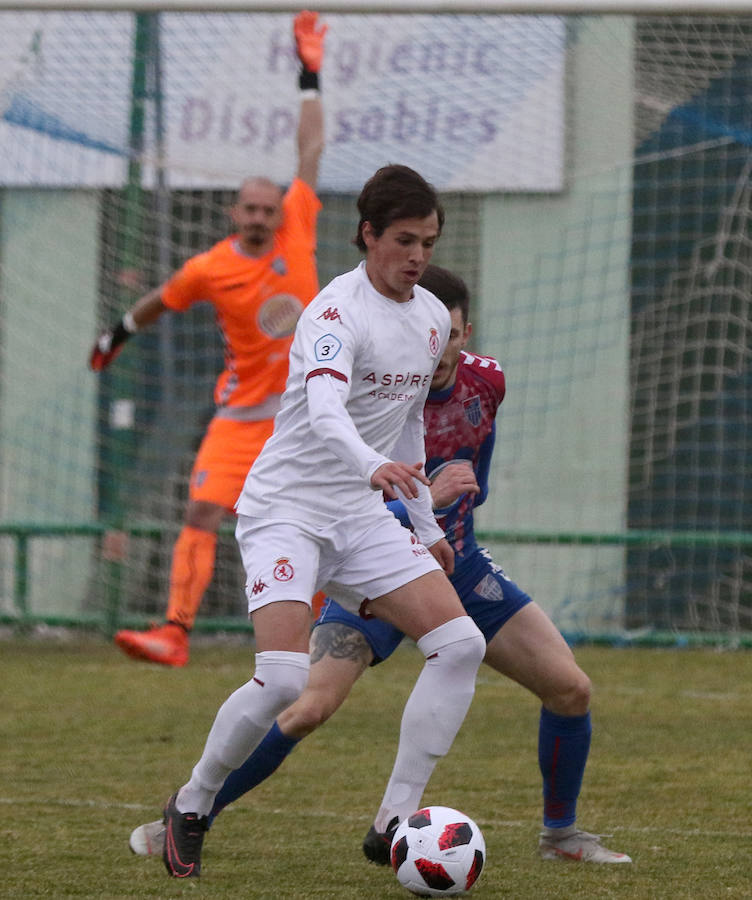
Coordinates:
[165,644]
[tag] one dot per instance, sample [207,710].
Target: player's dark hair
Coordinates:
[449,288]
[395,192]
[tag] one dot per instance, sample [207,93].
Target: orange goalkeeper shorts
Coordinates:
[227,452]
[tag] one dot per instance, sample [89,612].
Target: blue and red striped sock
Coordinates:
[563,748]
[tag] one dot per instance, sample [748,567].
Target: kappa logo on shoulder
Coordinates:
[330,315]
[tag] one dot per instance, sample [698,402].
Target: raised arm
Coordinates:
[309,43]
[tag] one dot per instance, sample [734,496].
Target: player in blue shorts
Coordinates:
[523,643]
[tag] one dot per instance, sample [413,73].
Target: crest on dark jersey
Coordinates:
[473,411]
[279,265]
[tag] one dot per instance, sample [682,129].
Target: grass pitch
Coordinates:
[93,743]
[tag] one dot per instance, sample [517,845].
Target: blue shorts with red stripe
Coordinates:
[490,599]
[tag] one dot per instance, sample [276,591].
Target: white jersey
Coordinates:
[381,356]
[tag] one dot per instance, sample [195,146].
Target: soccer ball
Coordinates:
[438,852]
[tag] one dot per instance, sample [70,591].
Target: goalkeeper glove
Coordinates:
[110,343]
[309,43]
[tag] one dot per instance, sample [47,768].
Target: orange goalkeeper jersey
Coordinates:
[257,301]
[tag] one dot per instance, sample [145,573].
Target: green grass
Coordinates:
[93,743]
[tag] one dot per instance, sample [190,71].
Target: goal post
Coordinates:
[681,8]
[594,162]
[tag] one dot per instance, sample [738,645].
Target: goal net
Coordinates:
[596,176]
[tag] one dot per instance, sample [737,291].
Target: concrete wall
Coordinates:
[50,261]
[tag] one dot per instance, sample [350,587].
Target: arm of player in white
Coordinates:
[332,423]
[411,448]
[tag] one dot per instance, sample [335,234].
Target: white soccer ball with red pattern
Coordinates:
[438,852]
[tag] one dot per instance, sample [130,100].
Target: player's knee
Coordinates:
[283,675]
[469,651]
[572,695]
[580,693]
[458,643]
[468,645]
[453,652]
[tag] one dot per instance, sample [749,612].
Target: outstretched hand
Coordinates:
[401,475]
[104,351]
[309,39]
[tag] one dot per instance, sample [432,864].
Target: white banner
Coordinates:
[472,102]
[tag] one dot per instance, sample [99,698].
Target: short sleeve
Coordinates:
[188,285]
[329,344]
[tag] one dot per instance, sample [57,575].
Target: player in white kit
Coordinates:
[311,515]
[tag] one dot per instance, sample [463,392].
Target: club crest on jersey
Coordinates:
[279,315]
[473,412]
[433,342]
[330,315]
[283,570]
[279,265]
[327,347]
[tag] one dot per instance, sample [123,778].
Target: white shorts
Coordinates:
[353,560]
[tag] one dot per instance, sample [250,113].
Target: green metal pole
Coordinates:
[21,585]
[120,456]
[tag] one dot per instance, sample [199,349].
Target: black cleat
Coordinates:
[184,835]
[377,845]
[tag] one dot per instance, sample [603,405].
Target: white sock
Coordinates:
[241,723]
[433,713]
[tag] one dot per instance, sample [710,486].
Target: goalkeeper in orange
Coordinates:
[258,280]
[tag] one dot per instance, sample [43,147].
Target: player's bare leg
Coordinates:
[530,650]
[339,656]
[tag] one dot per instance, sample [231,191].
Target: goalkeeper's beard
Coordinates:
[257,236]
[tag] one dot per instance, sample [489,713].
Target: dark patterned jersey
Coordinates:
[460,425]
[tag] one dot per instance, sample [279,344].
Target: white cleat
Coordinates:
[580,846]
[148,839]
